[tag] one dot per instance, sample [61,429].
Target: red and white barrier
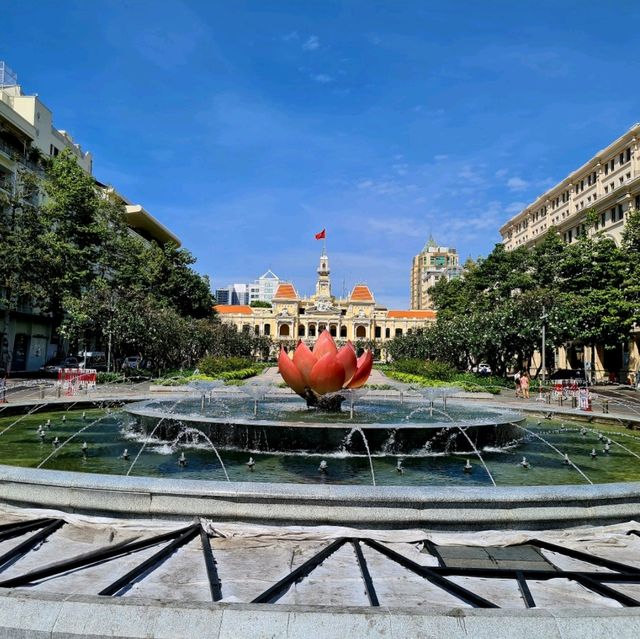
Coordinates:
[72,380]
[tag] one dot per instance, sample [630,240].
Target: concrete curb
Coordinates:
[48,616]
[461,508]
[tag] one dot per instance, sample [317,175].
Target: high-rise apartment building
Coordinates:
[27,134]
[609,184]
[428,267]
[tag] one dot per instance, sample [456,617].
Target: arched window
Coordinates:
[361,331]
[301,330]
[312,330]
[256,329]
[343,331]
[321,327]
[332,330]
[398,332]
[267,329]
[284,330]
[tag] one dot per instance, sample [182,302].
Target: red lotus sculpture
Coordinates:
[326,369]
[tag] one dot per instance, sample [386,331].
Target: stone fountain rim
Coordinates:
[466,507]
[504,416]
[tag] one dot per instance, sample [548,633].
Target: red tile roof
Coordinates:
[286,292]
[413,314]
[231,309]
[361,293]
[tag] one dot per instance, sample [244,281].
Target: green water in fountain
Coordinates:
[106,439]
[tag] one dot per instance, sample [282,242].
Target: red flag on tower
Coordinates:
[322,235]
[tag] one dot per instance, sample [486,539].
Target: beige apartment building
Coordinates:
[358,317]
[432,264]
[26,134]
[609,184]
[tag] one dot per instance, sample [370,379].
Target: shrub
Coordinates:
[431,369]
[213,366]
[243,373]
[110,378]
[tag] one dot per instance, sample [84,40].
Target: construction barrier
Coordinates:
[73,380]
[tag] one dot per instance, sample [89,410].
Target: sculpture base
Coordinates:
[326,403]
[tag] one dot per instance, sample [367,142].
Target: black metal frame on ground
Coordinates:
[598,582]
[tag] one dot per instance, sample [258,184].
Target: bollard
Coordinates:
[574,401]
[58,391]
[605,406]
[548,397]
[561,399]
[41,392]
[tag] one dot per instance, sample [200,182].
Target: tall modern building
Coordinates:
[261,290]
[608,183]
[432,264]
[27,134]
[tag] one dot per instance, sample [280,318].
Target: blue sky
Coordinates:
[247,126]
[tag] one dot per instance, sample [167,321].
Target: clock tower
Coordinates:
[323,285]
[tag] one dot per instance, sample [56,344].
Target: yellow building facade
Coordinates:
[358,317]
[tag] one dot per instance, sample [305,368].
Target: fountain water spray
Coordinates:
[563,455]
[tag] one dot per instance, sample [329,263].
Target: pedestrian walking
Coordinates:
[524,384]
[516,381]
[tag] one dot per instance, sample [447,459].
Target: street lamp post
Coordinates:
[544,343]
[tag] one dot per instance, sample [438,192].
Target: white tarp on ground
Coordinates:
[251,558]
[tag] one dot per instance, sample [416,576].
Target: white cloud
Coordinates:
[312,43]
[514,207]
[517,184]
[440,157]
[322,78]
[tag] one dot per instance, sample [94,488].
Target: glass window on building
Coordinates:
[377,332]
[398,332]
[267,329]
[387,333]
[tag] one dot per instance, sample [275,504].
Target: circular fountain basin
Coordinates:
[285,426]
[432,491]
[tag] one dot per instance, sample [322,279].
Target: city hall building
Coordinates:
[357,317]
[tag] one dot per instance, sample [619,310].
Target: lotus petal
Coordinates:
[365,364]
[304,360]
[324,344]
[347,357]
[290,373]
[327,375]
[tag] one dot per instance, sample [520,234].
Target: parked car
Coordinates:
[53,366]
[484,369]
[132,362]
[96,360]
